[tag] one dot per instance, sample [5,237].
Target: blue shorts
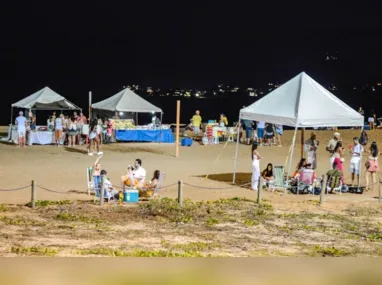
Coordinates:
[248,134]
[260,133]
[279,131]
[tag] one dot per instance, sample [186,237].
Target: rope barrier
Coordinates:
[146,188]
[163,187]
[15,189]
[216,188]
[53,191]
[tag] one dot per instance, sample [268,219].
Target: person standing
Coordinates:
[58,127]
[279,132]
[93,139]
[355,161]
[331,147]
[372,119]
[269,132]
[72,132]
[248,125]
[260,131]
[255,167]
[372,166]
[21,123]
[311,146]
[197,122]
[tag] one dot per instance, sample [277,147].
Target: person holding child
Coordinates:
[135,176]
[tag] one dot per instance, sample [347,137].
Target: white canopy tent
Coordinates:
[301,102]
[127,101]
[44,99]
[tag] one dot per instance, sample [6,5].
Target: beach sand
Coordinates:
[63,169]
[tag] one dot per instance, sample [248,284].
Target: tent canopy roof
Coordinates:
[126,101]
[45,99]
[302,102]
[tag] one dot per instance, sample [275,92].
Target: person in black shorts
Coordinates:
[269,134]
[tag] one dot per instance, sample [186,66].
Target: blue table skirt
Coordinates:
[163,136]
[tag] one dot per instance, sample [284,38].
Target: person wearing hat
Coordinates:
[311,146]
[21,123]
[331,148]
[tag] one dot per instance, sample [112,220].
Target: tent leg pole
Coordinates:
[292,150]
[302,142]
[161,118]
[11,115]
[90,105]
[237,149]
[11,123]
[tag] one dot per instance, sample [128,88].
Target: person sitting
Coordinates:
[300,166]
[108,186]
[309,178]
[268,177]
[149,187]
[135,176]
[334,177]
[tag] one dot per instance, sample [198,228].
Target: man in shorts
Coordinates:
[21,123]
[197,122]
[355,162]
[279,132]
[248,125]
[260,131]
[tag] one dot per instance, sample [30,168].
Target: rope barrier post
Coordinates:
[323,190]
[102,189]
[33,196]
[260,190]
[180,193]
[380,191]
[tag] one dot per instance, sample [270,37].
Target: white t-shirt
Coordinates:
[139,174]
[357,152]
[108,185]
[59,124]
[260,125]
[20,121]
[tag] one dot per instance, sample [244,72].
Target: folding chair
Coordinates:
[280,181]
[97,189]
[89,176]
[334,184]
[306,180]
[159,184]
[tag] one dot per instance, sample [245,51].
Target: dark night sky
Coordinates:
[81,47]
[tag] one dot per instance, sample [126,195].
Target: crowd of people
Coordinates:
[263,133]
[336,170]
[68,130]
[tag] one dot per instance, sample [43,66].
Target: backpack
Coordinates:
[363,138]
